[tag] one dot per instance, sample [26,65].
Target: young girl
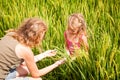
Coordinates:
[75,35]
[17,59]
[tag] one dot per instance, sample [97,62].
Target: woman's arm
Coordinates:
[30,65]
[48,53]
[51,67]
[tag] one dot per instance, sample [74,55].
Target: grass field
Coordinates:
[103,28]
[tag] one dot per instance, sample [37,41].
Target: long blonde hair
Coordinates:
[30,31]
[81,23]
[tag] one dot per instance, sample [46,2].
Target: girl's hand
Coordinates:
[50,53]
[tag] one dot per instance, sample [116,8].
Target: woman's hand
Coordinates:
[50,53]
[60,61]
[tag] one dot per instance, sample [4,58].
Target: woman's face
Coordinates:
[42,35]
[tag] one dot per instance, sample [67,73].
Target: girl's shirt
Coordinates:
[70,46]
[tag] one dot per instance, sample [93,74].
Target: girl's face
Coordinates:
[76,25]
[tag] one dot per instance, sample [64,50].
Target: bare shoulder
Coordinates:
[21,51]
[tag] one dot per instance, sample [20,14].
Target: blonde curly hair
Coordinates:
[30,32]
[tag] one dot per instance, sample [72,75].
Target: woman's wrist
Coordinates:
[40,56]
[58,63]
[44,55]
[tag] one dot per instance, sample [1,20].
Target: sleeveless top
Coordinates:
[69,44]
[8,58]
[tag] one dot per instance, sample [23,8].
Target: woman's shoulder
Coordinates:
[22,50]
[10,33]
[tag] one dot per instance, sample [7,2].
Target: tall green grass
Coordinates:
[103,28]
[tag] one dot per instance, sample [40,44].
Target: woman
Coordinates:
[16,57]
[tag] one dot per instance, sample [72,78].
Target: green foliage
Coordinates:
[103,21]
